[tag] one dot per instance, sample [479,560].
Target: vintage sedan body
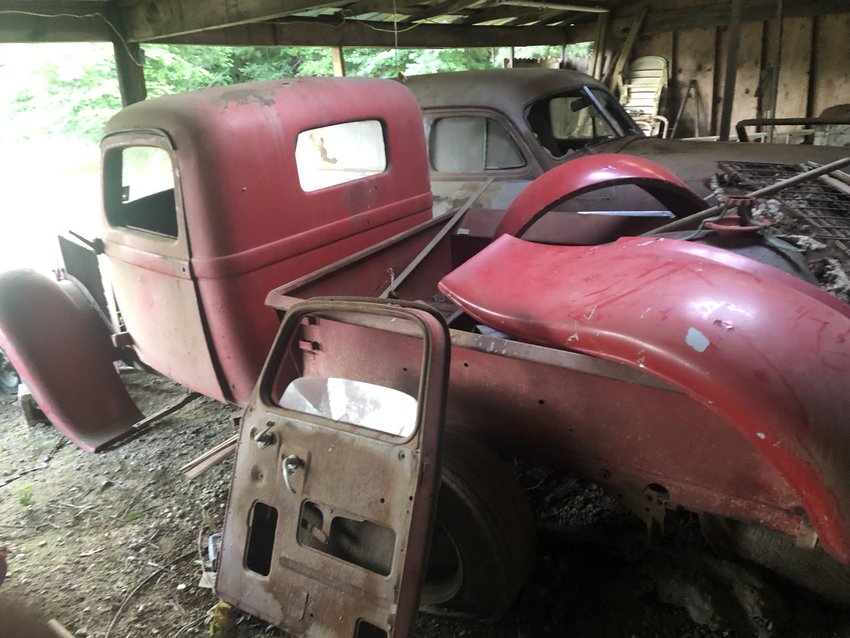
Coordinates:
[515,124]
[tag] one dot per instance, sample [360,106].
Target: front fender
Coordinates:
[62,351]
[765,350]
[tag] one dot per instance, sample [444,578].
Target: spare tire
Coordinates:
[483,547]
[812,569]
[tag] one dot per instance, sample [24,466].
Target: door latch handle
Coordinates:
[290,464]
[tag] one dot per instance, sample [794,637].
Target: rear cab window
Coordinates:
[471,144]
[340,153]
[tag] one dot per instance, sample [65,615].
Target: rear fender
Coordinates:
[766,351]
[61,349]
[594,172]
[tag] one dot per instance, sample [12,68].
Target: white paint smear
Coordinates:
[697,340]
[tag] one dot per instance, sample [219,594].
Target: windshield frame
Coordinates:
[609,110]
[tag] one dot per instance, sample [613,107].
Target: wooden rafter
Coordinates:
[152,20]
[499,13]
[55,21]
[316,31]
[363,7]
[444,7]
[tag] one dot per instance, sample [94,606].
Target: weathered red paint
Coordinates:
[764,350]
[40,325]
[249,224]
[346,471]
[594,172]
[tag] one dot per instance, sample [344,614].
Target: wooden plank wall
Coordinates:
[814,71]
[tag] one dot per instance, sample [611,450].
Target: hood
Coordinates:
[695,162]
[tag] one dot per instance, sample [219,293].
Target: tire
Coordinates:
[9,379]
[483,547]
[814,570]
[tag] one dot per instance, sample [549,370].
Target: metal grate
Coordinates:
[825,208]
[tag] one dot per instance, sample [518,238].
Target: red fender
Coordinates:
[62,351]
[593,172]
[768,352]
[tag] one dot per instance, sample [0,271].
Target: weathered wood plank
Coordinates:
[832,69]
[59,21]
[19,28]
[662,18]
[743,102]
[317,32]
[694,59]
[730,76]
[151,20]
[793,93]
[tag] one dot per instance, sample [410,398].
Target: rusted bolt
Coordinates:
[265,438]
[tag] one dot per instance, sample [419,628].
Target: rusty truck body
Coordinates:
[678,372]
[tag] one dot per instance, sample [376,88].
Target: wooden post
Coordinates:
[776,63]
[616,77]
[601,42]
[339,61]
[131,73]
[129,61]
[731,70]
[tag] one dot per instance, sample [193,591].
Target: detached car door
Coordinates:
[337,471]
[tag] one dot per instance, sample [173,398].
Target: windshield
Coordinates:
[571,120]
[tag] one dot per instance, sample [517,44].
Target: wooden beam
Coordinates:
[600,45]
[499,13]
[710,15]
[317,32]
[616,77]
[129,62]
[731,70]
[40,21]
[362,7]
[445,7]
[152,20]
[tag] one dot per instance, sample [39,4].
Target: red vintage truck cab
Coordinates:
[674,371]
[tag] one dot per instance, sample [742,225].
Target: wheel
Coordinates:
[814,569]
[9,379]
[483,547]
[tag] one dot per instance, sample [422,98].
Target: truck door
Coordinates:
[148,250]
[337,471]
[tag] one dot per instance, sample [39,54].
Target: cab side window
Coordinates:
[471,144]
[139,190]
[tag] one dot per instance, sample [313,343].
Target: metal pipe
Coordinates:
[767,190]
[534,4]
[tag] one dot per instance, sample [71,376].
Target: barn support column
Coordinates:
[131,74]
[338,61]
[129,62]
[600,45]
[731,71]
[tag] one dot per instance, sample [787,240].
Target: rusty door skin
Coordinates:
[328,524]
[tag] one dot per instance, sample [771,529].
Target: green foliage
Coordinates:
[25,497]
[132,516]
[389,63]
[79,93]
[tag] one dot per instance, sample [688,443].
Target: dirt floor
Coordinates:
[111,545]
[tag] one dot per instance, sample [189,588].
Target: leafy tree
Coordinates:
[79,99]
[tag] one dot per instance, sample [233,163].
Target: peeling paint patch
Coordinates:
[589,314]
[761,435]
[697,340]
[572,337]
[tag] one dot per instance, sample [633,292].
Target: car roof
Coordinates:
[506,90]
